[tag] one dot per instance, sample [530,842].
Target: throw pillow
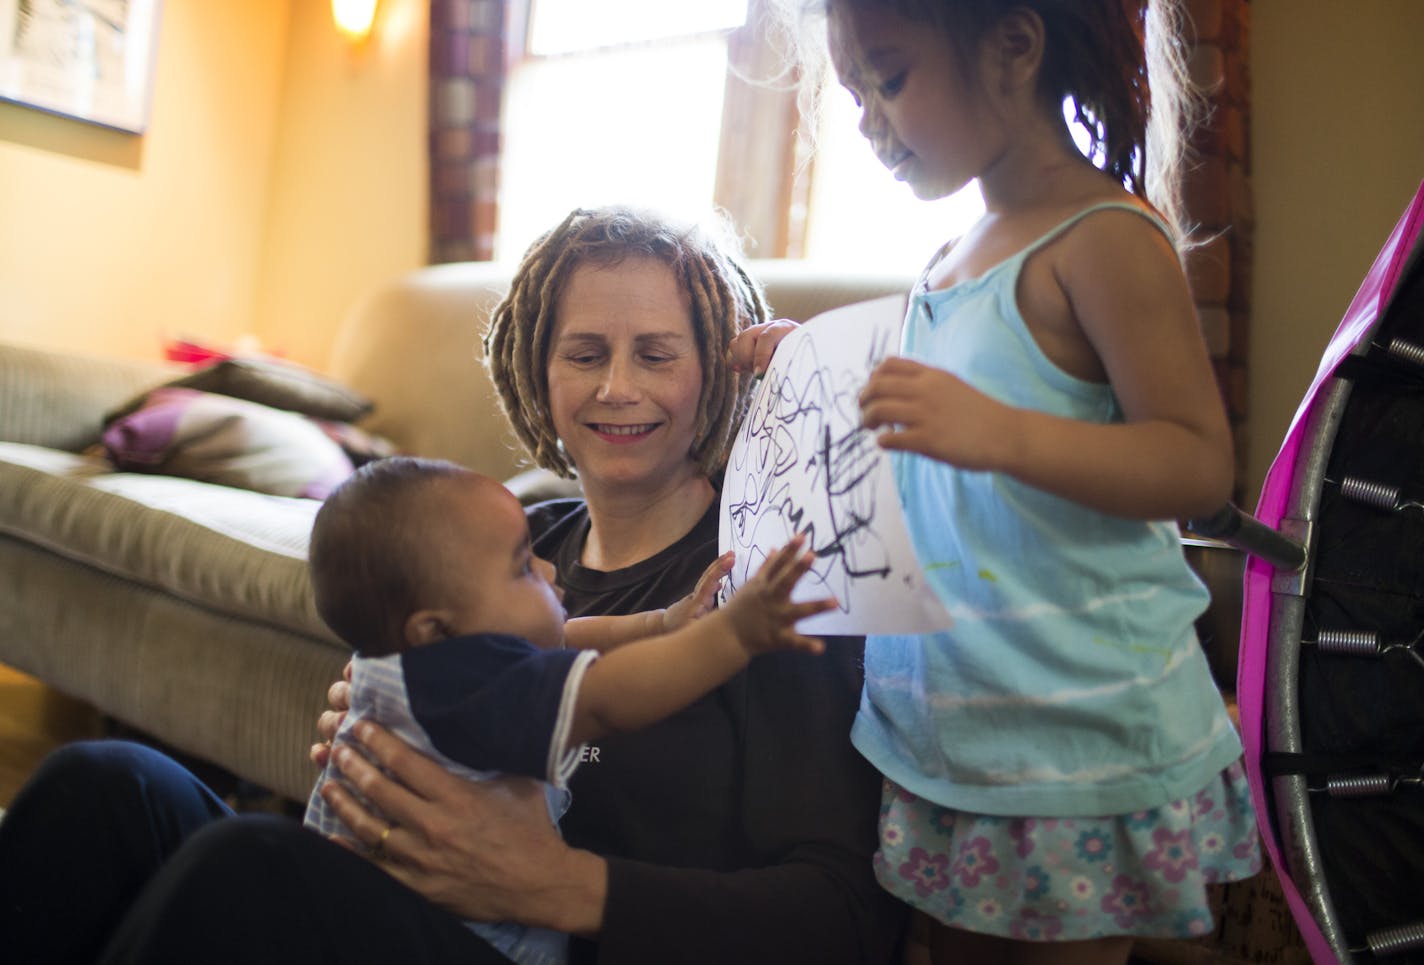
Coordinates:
[272,382]
[229,441]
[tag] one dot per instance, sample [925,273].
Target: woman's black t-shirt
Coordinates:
[740,829]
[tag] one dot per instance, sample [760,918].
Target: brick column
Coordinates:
[466,85]
[1218,199]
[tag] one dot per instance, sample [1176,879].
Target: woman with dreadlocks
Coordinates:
[739,830]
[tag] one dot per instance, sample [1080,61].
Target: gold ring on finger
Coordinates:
[378,851]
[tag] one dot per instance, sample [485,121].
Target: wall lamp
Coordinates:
[354,18]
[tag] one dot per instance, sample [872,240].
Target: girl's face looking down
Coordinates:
[625,375]
[920,107]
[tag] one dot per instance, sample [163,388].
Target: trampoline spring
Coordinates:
[1355,643]
[1406,351]
[1376,494]
[1360,785]
[1365,643]
[1391,941]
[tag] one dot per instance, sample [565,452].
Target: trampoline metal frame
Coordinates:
[1299,845]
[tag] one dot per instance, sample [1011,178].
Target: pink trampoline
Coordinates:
[1331,674]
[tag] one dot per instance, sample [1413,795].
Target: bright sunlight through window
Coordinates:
[620,101]
[561,26]
[605,128]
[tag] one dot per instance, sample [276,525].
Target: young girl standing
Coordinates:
[1061,772]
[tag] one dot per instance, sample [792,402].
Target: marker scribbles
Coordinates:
[802,463]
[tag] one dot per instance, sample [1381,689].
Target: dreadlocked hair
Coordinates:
[1099,56]
[723,297]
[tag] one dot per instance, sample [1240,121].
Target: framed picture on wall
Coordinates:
[87,59]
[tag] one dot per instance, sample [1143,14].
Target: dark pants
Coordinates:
[115,853]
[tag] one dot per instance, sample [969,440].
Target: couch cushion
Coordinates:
[233,551]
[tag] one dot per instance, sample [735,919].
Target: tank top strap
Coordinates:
[1012,265]
[1063,226]
[922,282]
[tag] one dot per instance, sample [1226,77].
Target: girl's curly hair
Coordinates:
[1121,64]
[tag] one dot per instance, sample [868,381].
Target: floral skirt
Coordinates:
[1070,879]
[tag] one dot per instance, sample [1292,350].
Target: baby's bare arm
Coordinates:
[703,597]
[645,681]
[604,633]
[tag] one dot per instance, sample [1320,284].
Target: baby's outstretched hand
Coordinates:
[703,597]
[752,349]
[762,614]
[923,409]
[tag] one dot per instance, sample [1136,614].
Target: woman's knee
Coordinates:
[101,763]
[76,776]
[119,788]
[261,858]
[117,765]
[261,888]
[81,840]
[252,888]
[249,842]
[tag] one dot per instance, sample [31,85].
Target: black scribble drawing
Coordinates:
[803,436]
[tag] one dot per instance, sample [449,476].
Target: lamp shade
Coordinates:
[354,17]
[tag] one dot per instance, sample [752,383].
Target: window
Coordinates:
[625,101]
[598,127]
[618,101]
[562,26]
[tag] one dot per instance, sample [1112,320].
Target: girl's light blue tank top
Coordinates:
[1072,682]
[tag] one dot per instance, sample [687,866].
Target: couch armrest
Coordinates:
[58,399]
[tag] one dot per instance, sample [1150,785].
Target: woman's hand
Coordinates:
[338,697]
[485,851]
[927,410]
[752,348]
[703,598]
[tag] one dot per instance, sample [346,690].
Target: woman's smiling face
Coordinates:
[625,374]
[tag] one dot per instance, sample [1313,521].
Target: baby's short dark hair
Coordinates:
[369,557]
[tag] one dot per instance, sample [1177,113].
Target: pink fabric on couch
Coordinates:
[228,441]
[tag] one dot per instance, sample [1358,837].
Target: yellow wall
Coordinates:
[348,195]
[280,174]
[108,241]
[1338,140]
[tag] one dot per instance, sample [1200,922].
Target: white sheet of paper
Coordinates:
[802,463]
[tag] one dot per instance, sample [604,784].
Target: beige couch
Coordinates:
[181,608]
